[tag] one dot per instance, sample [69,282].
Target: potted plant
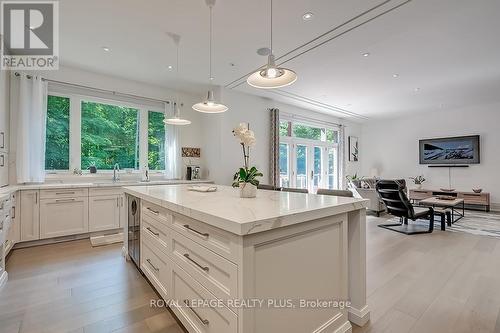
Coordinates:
[418,181]
[355,180]
[246,178]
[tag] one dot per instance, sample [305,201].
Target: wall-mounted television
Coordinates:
[455,150]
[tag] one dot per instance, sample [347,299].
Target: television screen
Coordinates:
[456,150]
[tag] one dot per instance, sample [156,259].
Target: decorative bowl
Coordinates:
[477,190]
[447,189]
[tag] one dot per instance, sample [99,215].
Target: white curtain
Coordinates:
[31,101]
[173,155]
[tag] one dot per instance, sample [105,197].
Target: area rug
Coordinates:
[474,222]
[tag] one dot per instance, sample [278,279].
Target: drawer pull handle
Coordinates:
[203,321]
[153,266]
[153,211]
[62,193]
[205,268]
[196,231]
[154,233]
[65,200]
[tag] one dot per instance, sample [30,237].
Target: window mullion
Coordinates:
[143,139]
[75,133]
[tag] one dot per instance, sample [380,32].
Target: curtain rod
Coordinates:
[97,89]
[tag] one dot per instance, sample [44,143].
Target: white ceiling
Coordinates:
[449,49]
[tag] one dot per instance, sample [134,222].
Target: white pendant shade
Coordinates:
[210,105]
[272,77]
[176,121]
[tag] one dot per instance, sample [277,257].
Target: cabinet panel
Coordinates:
[4,168]
[61,217]
[64,193]
[30,215]
[104,213]
[4,111]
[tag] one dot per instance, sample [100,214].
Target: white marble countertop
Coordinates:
[7,190]
[226,210]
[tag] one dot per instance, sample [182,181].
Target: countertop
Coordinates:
[7,190]
[226,210]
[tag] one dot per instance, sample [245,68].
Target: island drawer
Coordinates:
[158,213]
[157,233]
[217,274]
[156,268]
[198,317]
[215,239]
[64,193]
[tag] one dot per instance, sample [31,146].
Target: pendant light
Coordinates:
[210,105]
[176,108]
[271,76]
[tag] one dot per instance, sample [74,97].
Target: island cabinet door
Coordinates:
[61,217]
[30,215]
[156,266]
[104,212]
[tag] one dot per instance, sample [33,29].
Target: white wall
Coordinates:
[221,151]
[190,135]
[391,146]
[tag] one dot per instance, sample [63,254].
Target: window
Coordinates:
[308,155]
[307,132]
[104,132]
[109,135]
[156,141]
[57,134]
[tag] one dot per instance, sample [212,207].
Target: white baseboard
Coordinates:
[359,317]
[495,207]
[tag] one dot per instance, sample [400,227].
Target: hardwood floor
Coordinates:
[72,287]
[441,282]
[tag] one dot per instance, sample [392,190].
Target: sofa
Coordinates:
[366,189]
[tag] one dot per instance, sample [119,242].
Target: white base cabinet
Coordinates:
[4,168]
[104,212]
[63,217]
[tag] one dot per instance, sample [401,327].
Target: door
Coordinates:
[30,215]
[104,213]
[62,217]
[317,169]
[284,161]
[301,169]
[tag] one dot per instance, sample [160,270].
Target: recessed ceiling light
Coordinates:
[417,89]
[395,76]
[105,48]
[367,54]
[170,66]
[308,16]
[264,51]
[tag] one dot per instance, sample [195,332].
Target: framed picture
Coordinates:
[353,149]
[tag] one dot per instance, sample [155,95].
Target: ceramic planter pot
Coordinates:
[248,190]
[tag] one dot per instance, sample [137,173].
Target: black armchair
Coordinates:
[392,193]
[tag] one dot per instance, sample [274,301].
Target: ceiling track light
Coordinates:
[210,105]
[176,109]
[271,76]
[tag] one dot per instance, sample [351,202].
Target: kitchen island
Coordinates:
[281,262]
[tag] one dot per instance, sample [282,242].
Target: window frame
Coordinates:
[75,130]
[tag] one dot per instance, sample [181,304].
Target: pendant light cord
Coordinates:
[176,107]
[271,27]
[210,49]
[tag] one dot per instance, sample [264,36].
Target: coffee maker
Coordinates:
[193,172]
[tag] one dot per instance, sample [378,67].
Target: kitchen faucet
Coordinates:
[116,170]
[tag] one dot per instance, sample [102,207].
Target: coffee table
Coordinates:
[451,204]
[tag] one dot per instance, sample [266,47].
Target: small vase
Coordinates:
[248,190]
[418,186]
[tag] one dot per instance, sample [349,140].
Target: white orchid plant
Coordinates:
[247,140]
